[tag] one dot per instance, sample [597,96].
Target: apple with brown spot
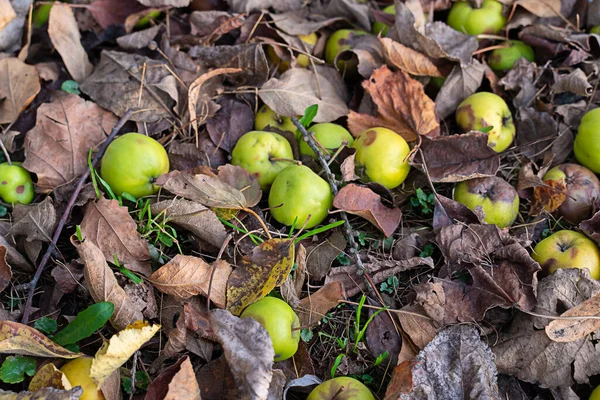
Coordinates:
[583,189]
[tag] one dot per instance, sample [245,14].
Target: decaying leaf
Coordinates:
[19,84]
[574,329]
[321,255]
[7,13]
[462,82]
[47,393]
[408,60]
[548,196]
[49,376]
[362,201]
[233,120]
[258,273]
[315,306]
[174,383]
[544,9]
[187,276]
[119,348]
[21,339]
[5,270]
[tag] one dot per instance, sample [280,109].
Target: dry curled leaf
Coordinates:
[49,376]
[462,82]
[409,60]
[111,228]
[316,305]
[362,201]
[21,339]
[174,383]
[570,330]
[19,84]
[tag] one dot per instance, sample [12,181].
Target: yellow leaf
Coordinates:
[119,348]
[17,338]
[49,376]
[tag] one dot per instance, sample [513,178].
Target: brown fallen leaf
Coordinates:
[561,330]
[543,9]
[365,203]
[382,335]
[402,106]
[259,272]
[462,82]
[7,13]
[19,84]
[49,376]
[111,228]
[5,270]
[64,34]
[103,285]
[367,50]
[548,197]
[402,380]
[187,276]
[315,306]
[233,120]
[113,12]
[176,382]
[56,149]
[16,338]
[421,330]
[47,393]
[409,60]
[34,221]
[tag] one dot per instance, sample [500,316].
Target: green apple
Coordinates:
[596,393]
[132,163]
[263,154]
[302,60]
[15,184]
[583,190]
[381,157]
[341,388]
[381,27]
[587,141]
[568,249]
[498,199]
[505,58]
[487,112]
[330,136]
[339,41]
[437,81]
[267,117]
[280,321]
[144,22]
[298,193]
[474,21]
[596,30]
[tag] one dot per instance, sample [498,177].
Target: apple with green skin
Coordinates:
[587,142]
[505,58]
[568,249]
[15,184]
[280,321]
[339,41]
[267,117]
[302,60]
[381,157]
[383,28]
[77,372]
[330,136]
[144,22]
[263,154]
[596,30]
[583,189]
[595,394]
[474,21]
[437,81]
[489,113]
[341,388]
[498,199]
[298,193]
[132,163]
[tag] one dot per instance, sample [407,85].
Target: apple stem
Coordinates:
[286,159]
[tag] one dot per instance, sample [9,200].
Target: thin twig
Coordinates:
[67,213]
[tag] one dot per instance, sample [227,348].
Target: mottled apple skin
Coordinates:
[498,199]
[583,189]
[341,388]
[568,249]
[266,117]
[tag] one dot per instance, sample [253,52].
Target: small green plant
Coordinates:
[127,272]
[358,331]
[69,86]
[46,325]
[142,380]
[14,368]
[427,250]
[343,259]
[380,358]
[85,323]
[390,285]
[306,335]
[336,364]
[423,201]
[156,227]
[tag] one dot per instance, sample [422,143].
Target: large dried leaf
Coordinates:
[462,82]
[49,376]
[103,285]
[402,106]
[174,383]
[543,8]
[316,305]
[537,132]
[46,393]
[7,13]
[297,89]
[234,119]
[362,201]
[34,221]
[457,158]
[258,273]
[56,149]
[408,60]
[457,364]
[111,228]
[321,255]
[64,34]
[415,323]
[19,84]
[21,339]
[561,330]
[525,350]
[187,276]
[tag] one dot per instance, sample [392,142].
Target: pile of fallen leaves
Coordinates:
[152,288]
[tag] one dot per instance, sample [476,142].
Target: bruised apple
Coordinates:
[341,388]
[330,137]
[497,198]
[15,184]
[568,249]
[583,189]
[77,372]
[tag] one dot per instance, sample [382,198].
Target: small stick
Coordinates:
[65,216]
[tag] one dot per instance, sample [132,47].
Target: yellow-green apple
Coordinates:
[15,184]
[330,136]
[341,388]
[267,117]
[382,27]
[77,372]
[587,141]
[280,321]
[568,249]
[583,190]
[144,22]
[437,81]
[498,199]
[381,157]
[298,193]
[132,163]
[302,60]
[487,112]
[474,21]
[263,154]
[596,393]
[596,30]
[504,58]
[339,41]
